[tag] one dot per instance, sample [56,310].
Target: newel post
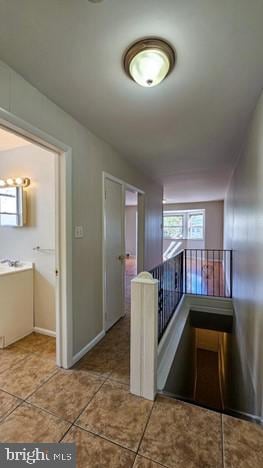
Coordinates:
[144,335]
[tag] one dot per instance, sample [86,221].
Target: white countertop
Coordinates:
[7,270]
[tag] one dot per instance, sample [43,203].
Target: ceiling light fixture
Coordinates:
[149,61]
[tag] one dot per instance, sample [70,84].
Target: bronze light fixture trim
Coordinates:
[149,61]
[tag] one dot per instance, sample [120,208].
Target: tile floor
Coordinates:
[91,406]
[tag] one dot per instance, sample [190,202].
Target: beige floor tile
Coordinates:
[29,424]
[117,415]
[95,452]
[181,435]
[48,350]
[10,356]
[24,377]
[142,462]
[99,360]
[122,371]
[243,444]
[41,344]
[67,393]
[32,341]
[7,403]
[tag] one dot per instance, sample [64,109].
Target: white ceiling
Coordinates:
[186,132]
[10,141]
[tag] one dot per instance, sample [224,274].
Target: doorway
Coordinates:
[28,244]
[62,231]
[120,257]
[131,242]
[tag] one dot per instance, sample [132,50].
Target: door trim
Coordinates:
[140,227]
[63,209]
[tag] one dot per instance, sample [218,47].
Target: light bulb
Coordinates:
[19,181]
[2,183]
[10,181]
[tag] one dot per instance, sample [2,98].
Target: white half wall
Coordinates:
[90,157]
[17,243]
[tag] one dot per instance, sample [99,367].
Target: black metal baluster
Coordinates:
[207,271]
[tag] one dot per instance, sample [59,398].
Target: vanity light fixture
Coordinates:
[149,61]
[15,182]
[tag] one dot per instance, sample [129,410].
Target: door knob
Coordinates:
[121,258]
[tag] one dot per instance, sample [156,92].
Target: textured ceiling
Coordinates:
[186,132]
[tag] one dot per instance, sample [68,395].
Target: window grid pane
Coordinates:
[183,226]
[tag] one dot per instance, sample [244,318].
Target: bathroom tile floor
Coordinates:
[91,406]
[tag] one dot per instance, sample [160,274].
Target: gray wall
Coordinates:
[214,224]
[243,233]
[91,156]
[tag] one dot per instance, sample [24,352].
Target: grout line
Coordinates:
[146,425]
[4,416]
[85,407]
[64,435]
[41,384]
[222,441]
[101,436]
[149,459]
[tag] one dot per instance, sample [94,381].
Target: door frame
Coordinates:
[140,234]
[63,228]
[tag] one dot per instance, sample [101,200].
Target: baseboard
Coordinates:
[4,342]
[243,415]
[44,331]
[88,347]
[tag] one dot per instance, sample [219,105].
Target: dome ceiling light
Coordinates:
[149,61]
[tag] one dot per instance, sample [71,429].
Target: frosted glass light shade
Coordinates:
[149,61]
[149,67]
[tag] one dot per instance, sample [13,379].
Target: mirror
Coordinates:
[12,206]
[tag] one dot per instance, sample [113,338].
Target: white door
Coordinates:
[114,252]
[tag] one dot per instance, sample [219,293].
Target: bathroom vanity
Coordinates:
[16,302]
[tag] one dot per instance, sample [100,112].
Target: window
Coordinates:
[173,226]
[184,224]
[195,226]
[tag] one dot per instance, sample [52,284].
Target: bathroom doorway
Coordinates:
[28,243]
[53,323]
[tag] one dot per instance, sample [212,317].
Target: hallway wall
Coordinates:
[17,243]
[91,156]
[243,233]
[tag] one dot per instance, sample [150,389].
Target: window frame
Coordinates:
[186,214]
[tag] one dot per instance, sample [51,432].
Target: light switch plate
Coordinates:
[79,232]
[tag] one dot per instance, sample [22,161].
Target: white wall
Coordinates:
[18,243]
[214,225]
[243,233]
[91,156]
[131,230]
